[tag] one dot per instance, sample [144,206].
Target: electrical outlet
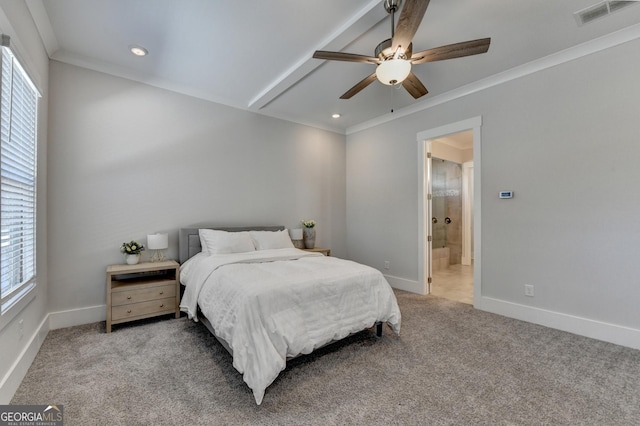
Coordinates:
[528,290]
[387,264]
[20,329]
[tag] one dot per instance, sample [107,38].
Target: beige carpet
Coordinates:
[450,365]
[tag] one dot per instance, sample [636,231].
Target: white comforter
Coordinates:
[272,304]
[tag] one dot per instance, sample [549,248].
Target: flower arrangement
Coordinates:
[132,248]
[308,223]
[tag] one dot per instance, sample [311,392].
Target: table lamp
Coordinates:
[158,243]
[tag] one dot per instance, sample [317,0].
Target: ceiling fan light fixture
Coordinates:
[393,71]
[394,56]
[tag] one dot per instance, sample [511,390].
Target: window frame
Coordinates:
[22,293]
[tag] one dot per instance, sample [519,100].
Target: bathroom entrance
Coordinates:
[452,276]
[451,186]
[459,143]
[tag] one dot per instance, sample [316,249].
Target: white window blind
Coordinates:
[18,124]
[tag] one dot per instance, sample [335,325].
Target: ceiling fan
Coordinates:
[394,56]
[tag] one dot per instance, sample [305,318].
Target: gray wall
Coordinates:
[565,139]
[127,159]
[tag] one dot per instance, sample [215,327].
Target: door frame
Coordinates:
[424,183]
[467,209]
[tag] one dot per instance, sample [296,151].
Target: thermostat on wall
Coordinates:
[506,194]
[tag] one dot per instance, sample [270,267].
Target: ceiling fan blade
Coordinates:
[414,86]
[358,87]
[348,57]
[410,19]
[456,50]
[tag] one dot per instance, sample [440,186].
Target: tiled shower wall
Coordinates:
[447,202]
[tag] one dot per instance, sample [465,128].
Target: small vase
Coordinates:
[309,235]
[133,259]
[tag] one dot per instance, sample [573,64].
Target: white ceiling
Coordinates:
[256,54]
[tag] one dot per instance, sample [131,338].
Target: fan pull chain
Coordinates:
[393,96]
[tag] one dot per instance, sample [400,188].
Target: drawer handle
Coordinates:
[162,306]
[162,292]
[128,297]
[129,311]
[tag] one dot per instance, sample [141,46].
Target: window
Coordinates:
[18,124]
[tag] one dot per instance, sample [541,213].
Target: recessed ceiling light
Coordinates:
[138,50]
[336,115]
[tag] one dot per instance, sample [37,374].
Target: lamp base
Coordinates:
[158,256]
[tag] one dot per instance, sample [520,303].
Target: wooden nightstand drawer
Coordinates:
[143,295]
[143,309]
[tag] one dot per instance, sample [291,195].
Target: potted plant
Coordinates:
[309,233]
[132,251]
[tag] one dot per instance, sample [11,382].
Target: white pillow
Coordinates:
[266,240]
[220,242]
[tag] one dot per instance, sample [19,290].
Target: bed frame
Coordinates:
[189,246]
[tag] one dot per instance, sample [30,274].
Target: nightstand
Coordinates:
[325,251]
[142,291]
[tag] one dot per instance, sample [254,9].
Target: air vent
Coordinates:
[601,9]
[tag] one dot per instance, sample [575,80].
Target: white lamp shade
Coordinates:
[393,71]
[296,234]
[157,241]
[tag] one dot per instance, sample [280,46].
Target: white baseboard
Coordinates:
[52,321]
[619,335]
[62,319]
[11,381]
[404,284]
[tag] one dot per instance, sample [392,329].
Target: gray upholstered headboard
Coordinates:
[189,239]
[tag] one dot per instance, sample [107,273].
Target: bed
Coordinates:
[266,301]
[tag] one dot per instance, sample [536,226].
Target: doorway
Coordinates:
[449,200]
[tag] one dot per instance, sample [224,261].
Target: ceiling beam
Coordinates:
[360,23]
